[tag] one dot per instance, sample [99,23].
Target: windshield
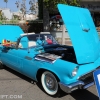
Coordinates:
[42,39]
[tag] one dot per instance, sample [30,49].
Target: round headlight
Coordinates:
[74,72]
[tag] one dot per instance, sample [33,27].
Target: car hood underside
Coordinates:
[82,32]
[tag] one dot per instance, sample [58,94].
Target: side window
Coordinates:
[23,42]
[32,40]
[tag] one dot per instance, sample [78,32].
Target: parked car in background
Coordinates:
[40,57]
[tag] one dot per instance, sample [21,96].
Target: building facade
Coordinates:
[7,13]
[94,7]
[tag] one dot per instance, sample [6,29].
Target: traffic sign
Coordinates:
[96,75]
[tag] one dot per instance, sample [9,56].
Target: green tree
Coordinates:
[6,1]
[0,14]
[18,4]
[75,3]
[32,4]
[16,17]
[2,17]
[52,4]
[23,8]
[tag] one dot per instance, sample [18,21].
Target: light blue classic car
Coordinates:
[40,57]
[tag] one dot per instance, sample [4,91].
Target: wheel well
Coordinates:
[40,71]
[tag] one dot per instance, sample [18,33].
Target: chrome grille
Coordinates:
[87,78]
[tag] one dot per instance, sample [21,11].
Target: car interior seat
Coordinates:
[31,43]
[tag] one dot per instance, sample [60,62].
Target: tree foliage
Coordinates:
[52,4]
[6,1]
[33,6]
[75,3]
[23,8]
[17,4]
[2,17]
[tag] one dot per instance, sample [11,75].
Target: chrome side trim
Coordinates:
[88,85]
[28,58]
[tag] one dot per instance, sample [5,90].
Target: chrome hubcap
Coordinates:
[50,82]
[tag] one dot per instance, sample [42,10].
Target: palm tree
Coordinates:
[23,9]
[6,2]
[17,4]
[33,6]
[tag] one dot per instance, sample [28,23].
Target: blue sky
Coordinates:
[11,4]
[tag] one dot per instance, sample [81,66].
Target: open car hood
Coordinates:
[10,32]
[82,32]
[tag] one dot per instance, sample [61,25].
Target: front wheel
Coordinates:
[49,83]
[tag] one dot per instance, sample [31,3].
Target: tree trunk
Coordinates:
[6,4]
[46,25]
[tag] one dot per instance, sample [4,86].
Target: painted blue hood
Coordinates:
[10,32]
[82,32]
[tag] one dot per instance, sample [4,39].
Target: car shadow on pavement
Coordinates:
[19,75]
[77,95]
[62,94]
[83,95]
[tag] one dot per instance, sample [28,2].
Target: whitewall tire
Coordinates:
[49,83]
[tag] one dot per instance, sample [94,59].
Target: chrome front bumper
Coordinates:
[74,86]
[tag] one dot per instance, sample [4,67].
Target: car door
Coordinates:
[13,57]
[9,57]
[29,65]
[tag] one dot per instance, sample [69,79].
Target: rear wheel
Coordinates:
[49,83]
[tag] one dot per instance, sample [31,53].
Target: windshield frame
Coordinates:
[39,37]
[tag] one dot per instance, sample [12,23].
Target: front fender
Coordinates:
[61,68]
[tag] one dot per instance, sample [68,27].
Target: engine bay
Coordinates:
[58,51]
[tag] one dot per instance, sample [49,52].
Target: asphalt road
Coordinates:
[14,86]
